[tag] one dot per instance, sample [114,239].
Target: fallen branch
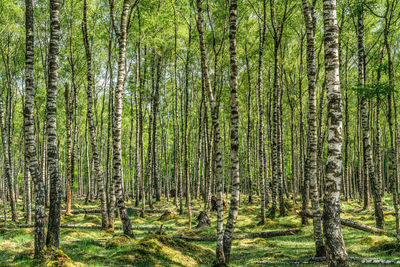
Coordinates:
[84,226]
[14,226]
[84,211]
[355,225]
[87,211]
[120,227]
[268,234]
[161,210]
[242,236]
[95,226]
[91,211]
[156,227]
[150,210]
[320,260]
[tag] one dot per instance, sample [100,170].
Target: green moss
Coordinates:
[374,240]
[118,241]
[23,255]
[89,246]
[92,219]
[385,247]
[191,232]
[59,259]
[167,215]
[165,250]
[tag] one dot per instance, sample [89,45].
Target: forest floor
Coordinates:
[93,247]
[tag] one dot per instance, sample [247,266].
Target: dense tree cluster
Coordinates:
[289,101]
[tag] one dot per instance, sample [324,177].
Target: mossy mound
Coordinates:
[386,247]
[23,255]
[58,258]
[270,223]
[118,241]
[181,222]
[71,219]
[162,249]
[132,212]
[16,232]
[92,219]
[166,216]
[194,232]
[199,254]
[374,240]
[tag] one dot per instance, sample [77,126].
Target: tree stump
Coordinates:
[167,215]
[203,220]
[172,193]
[214,204]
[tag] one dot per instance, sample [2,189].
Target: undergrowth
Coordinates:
[92,247]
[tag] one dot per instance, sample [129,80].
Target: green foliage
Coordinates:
[373,91]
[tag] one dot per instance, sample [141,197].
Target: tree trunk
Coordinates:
[234,207]
[311,170]
[117,115]
[53,232]
[68,123]
[7,165]
[389,13]
[261,162]
[110,193]
[216,132]
[27,184]
[155,97]
[249,132]
[277,138]
[369,165]
[90,123]
[336,251]
[186,129]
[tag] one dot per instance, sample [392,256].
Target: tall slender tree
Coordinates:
[29,133]
[68,124]
[90,122]
[234,208]
[7,163]
[261,148]
[121,33]
[368,160]
[215,129]
[335,248]
[53,230]
[311,163]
